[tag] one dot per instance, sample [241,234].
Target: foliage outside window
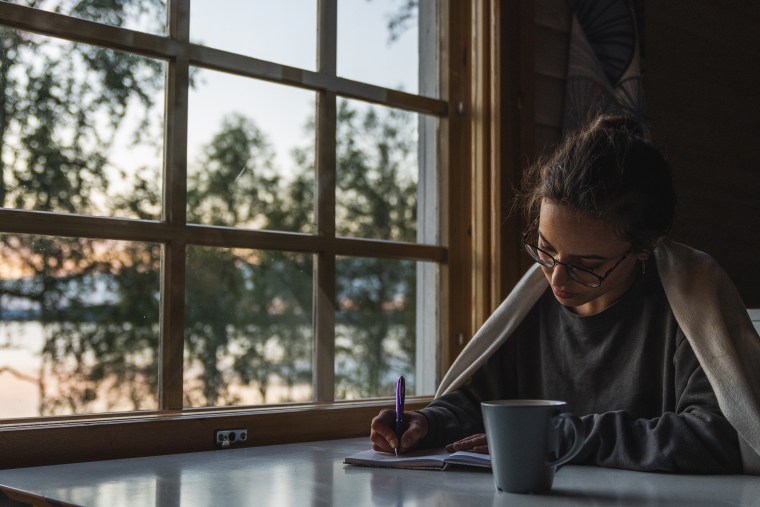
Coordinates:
[82,132]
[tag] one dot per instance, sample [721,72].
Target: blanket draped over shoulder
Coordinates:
[708,310]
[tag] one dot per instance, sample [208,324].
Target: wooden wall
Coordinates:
[552,43]
[703,90]
[702,85]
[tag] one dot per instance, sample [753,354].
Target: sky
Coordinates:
[285,32]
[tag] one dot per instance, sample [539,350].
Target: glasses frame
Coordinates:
[570,268]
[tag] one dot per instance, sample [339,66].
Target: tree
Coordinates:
[399,21]
[248,312]
[58,118]
[378,194]
[243,305]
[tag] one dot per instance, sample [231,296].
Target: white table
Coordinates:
[313,474]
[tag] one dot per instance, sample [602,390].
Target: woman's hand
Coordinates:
[383,433]
[474,443]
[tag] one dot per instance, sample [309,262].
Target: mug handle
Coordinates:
[579,436]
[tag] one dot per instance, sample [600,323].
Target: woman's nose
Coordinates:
[560,276]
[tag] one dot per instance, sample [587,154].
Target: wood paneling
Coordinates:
[456,233]
[552,44]
[553,14]
[535,48]
[702,88]
[547,138]
[551,52]
[518,127]
[550,100]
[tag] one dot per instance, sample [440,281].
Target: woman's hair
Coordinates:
[609,171]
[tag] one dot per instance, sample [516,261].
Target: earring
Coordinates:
[643,266]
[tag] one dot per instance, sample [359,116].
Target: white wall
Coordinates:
[755,316]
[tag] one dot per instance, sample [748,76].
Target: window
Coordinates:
[239,216]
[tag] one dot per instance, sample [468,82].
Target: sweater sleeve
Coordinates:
[457,414]
[694,438]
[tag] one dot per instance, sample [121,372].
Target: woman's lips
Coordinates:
[562,294]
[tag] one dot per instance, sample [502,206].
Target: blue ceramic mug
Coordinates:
[523,440]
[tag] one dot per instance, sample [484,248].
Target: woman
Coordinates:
[615,332]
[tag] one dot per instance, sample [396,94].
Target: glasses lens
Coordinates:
[584,277]
[539,255]
[581,276]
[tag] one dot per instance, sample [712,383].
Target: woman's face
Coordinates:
[583,241]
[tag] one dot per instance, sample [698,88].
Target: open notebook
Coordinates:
[428,459]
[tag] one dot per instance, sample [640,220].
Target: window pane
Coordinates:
[84,133]
[248,335]
[376,326]
[378,43]
[79,329]
[143,15]
[283,32]
[377,173]
[250,153]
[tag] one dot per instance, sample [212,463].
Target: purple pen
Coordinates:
[400,395]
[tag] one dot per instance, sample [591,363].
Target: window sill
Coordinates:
[25,443]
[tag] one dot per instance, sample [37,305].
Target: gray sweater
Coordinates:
[628,371]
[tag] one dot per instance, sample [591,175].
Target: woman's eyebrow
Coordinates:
[592,257]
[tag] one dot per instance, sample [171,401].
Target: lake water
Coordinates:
[20,347]
[21,344]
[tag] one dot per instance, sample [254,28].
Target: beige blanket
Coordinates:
[706,306]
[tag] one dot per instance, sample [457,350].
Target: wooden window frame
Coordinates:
[467,170]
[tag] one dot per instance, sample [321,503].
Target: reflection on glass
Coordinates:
[375,335]
[377,173]
[281,32]
[85,131]
[143,15]
[79,328]
[250,153]
[248,327]
[378,43]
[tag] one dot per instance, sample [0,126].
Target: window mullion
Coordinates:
[174,212]
[324,270]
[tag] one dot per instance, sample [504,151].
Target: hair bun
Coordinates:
[616,123]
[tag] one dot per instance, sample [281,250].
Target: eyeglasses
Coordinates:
[581,275]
